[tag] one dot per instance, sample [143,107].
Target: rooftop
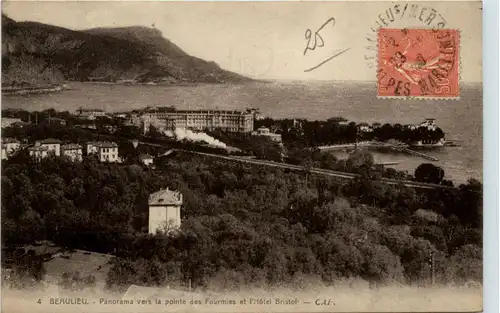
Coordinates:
[103,144]
[145,156]
[71,146]
[164,197]
[89,110]
[38,148]
[49,141]
[201,111]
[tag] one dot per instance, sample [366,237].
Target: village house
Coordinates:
[120,114]
[8,121]
[87,126]
[110,128]
[56,121]
[90,114]
[429,123]
[264,131]
[91,147]
[9,147]
[164,210]
[72,151]
[38,152]
[365,128]
[53,146]
[146,159]
[106,151]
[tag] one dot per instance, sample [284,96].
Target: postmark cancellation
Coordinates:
[418,63]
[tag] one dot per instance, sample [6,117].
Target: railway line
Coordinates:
[318,171]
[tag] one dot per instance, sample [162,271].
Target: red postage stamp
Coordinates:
[418,63]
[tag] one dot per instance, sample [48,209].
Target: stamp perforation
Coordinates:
[459,68]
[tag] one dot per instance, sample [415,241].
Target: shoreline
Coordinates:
[9,91]
[22,91]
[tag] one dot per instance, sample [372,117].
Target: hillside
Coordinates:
[35,53]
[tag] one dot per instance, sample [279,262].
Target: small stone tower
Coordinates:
[164,209]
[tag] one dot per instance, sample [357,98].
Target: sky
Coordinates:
[267,40]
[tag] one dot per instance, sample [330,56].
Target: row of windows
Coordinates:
[108,150]
[109,156]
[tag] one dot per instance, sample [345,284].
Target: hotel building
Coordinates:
[169,118]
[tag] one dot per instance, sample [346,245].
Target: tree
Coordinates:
[466,264]
[154,133]
[360,159]
[429,173]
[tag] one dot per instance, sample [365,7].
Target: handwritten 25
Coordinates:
[317,41]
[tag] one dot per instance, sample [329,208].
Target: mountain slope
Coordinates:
[168,55]
[35,53]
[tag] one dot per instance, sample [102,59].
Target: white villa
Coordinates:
[53,146]
[106,151]
[264,131]
[164,210]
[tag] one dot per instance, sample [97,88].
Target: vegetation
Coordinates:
[76,281]
[243,223]
[304,133]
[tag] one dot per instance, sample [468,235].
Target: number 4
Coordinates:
[39,301]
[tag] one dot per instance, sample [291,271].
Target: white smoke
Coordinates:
[181,134]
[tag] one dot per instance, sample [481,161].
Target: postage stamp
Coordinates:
[418,62]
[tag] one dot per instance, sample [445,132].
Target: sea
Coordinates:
[461,119]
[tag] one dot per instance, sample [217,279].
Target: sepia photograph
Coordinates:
[242,156]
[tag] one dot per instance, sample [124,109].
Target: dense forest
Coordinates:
[244,225]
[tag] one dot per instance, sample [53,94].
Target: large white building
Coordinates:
[228,120]
[164,210]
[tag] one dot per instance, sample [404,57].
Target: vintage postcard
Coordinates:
[242,156]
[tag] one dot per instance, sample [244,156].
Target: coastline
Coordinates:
[12,91]
[22,91]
